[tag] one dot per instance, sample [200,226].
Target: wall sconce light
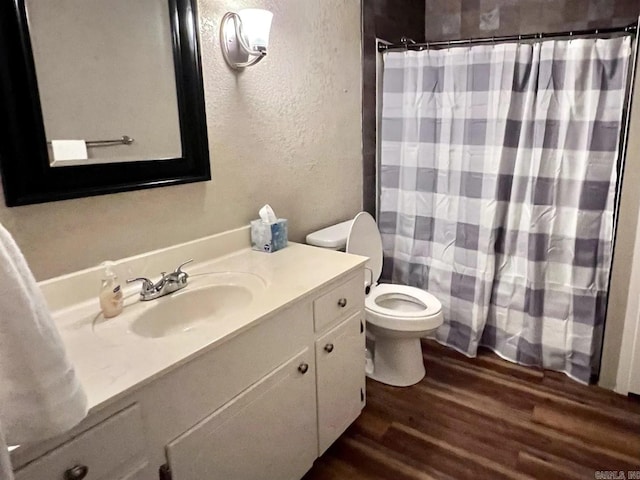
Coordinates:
[244,36]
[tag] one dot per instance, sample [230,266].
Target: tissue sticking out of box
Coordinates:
[267,214]
[269,233]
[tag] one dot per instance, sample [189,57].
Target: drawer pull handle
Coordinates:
[303,368]
[328,347]
[342,302]
[77,472]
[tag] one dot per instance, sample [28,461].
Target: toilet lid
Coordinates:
[364,239]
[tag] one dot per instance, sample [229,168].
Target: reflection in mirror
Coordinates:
[114,87]
[105,71]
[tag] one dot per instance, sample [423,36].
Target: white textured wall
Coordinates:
[624,249]
[286,131]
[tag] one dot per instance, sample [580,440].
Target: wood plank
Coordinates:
[469,464]
[492,361]
[549,467]
[372,425]
[446,422]
[535,393]
[386,463]
[599,433]
[487,360]
[334,468]
[485,418]
[556,382]
[495,409]
[480,430]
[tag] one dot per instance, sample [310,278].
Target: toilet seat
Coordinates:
[399,308]
[430,304]
[424,312]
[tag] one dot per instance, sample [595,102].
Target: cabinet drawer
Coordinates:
[339,303]
[108,450]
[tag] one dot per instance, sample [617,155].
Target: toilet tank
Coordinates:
[333,237]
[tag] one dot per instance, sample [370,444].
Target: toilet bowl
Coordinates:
[397,316]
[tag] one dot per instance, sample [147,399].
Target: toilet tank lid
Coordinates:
[334,236]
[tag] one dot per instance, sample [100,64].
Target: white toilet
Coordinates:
[396,315]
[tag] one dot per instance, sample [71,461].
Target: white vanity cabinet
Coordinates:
[277,427]
[262,404]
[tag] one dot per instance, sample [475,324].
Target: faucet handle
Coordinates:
[146,283]
[179,269]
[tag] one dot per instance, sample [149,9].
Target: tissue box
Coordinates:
[269,237]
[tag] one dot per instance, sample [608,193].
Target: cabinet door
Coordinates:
[341,379]
[268,431]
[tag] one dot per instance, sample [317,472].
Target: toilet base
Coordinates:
[398,361]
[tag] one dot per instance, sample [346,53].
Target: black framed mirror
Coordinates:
[28,175]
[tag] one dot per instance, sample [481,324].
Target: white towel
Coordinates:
[69,149]
[40,396]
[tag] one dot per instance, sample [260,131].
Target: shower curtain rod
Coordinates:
[408,44]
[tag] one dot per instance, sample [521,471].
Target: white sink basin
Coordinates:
[184,310]
[208,299]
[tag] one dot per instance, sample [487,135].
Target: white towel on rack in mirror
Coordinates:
[40,395]
[69,150]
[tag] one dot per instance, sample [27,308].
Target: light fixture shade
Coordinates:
[256,24]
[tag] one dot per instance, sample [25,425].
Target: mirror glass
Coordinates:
[105,71]
[99,96]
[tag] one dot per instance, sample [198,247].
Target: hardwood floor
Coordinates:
[486,418]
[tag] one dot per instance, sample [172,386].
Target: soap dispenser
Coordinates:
[111,299]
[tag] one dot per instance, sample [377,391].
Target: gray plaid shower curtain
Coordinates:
[498,178]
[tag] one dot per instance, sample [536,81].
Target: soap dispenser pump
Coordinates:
[111,298]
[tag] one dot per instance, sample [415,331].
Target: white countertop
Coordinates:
[110,360]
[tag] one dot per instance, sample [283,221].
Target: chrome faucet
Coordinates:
[169,283]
